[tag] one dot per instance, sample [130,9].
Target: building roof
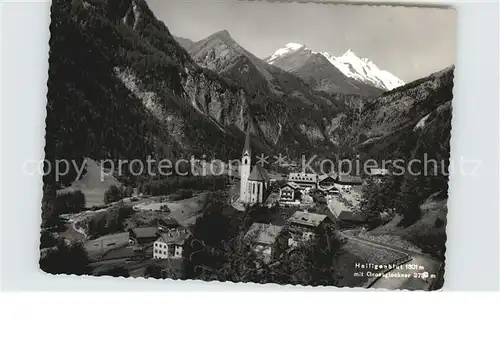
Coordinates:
[350,216]
[292,185]
[303,177]
[262,233]
[328,188]
[168,222]
[307,218]
[347,179]
[145,232]
[332,175]
[378,171]
[174,236]
[258,174]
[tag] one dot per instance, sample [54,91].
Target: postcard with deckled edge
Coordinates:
[248,141]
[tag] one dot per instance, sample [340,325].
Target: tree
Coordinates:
[47,239]
[113,194]
[154,270]
[326,246]
[242,263]
[66,259]
[50,215]
[109,221]
[371,204]
[129,191]
[203,252]
[378,198]
[71,202]
[310,263]
[276,186]
[409,201]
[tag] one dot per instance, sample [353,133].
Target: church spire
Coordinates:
[248,147]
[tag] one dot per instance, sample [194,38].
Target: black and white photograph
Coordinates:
[271,142]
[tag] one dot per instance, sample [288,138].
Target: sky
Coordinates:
[409,42]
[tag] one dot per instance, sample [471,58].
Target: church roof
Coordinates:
[258,174]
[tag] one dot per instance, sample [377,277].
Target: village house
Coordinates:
[142,236]
[326,184]
[346,182]
[378,174]
[169,243]
[287,192]
[306,181]
[263,236]
[349,219]
[305,225]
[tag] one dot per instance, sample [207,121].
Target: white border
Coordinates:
[473,227]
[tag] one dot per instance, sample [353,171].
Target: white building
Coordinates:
[254,185]
[169,244]
[306,181]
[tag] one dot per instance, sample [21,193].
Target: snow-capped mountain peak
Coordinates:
[363,70]
[352,66]
[288,49]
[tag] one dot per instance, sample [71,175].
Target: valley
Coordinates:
[139,91]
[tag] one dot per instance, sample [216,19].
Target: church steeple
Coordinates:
[247,149]
[246,160]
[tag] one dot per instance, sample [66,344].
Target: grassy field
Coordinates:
[185,212]
[91,185]
[70,234]
[98,247]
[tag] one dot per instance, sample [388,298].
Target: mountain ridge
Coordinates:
[137,92]
[315,69]
[349,64]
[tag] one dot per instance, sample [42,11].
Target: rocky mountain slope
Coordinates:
[412,122]
[405,107]
[319,72]
[184,42]
[284,105]
[134,91]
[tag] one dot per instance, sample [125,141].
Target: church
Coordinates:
[254,184]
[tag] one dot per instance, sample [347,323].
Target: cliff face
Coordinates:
[226,106]
[406,105]
[381,125]
[182,108]
[280,102]
[120,86]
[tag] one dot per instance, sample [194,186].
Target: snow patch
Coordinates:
[288,49]
[363,70]
[421,123]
